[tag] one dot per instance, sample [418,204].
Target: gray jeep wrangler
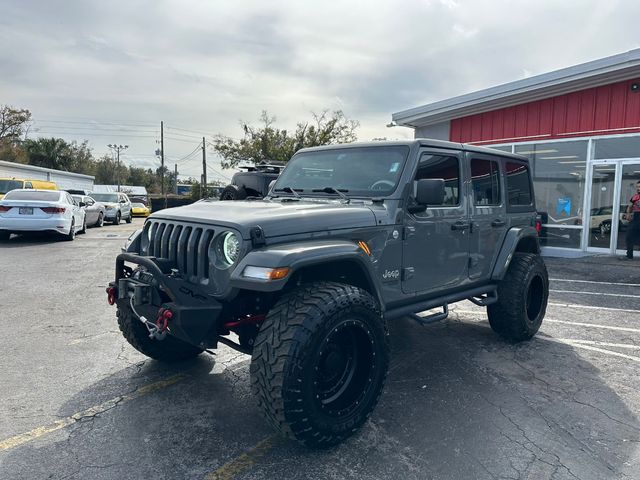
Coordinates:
[305,280]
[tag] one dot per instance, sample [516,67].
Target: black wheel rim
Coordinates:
[345,368]
[535,298]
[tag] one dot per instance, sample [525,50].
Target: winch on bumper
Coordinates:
[193,317]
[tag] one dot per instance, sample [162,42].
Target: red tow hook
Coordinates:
[112,295]
[162,322]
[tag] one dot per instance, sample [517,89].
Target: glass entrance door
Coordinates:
[629,176]
[609,180]
[603,181]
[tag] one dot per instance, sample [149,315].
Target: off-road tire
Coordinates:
[233,192]
[295,345]
[522,298]
[170,349]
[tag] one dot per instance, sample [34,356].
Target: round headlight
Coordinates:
[230,247]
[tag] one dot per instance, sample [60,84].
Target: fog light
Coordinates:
[265,273]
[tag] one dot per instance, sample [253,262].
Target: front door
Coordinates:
[627,224]
[612,183]
[435,252]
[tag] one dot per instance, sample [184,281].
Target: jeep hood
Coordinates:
[275,218]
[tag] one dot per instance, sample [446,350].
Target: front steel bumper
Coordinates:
[195,314]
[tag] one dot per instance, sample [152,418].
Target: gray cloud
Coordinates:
[204,65]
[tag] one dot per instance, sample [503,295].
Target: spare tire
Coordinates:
[233,192]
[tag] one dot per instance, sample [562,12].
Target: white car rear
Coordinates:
[25,210]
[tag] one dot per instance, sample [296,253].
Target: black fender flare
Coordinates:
[299,255]
[509,247]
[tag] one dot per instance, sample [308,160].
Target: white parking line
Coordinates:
[596,293]
[592,325]
[591,307]
[597,343]
[593,349]
[594,282]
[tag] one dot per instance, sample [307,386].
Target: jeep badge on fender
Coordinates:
[349,238]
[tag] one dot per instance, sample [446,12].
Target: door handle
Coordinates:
[498,223]
[460,226]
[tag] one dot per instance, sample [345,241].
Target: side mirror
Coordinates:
[429,191]
[123,201]
[82,204]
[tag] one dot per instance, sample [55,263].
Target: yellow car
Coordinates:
[140,210]
[8,184]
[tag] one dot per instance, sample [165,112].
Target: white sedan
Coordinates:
[40,211]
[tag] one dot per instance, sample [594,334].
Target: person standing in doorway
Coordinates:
[633,228]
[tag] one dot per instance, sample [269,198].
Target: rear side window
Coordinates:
[445,167]
[33,195]
[485,179]
[518,184]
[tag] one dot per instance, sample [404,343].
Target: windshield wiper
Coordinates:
[333,190]
[290,190]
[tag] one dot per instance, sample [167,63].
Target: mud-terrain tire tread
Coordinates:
[289,325]
[168,350]
[507,316]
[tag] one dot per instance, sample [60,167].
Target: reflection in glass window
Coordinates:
[485,179]
[518,185]
[559,174]
[620,147]
[445,167]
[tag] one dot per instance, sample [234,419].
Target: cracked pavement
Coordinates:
[459,402]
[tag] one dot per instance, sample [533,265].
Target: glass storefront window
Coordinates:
[559,174]
[502,148]
[619,147]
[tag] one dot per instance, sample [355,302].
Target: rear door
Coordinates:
[436,242]
[487,213]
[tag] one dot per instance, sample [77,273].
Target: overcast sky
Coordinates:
[111,71]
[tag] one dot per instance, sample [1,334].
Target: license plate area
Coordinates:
[25,211]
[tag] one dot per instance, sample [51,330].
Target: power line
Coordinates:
[201,132]
[77,134]
[92,119]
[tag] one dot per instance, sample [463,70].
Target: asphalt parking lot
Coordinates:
[77,402]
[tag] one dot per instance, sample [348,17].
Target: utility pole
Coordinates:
[162,157]
[176,177]
[203,189]
[117,148]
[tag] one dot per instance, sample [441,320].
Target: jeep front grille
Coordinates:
[185,246]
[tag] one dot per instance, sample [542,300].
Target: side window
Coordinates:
[518,184]
[28,185]
[445,167]
[485,180]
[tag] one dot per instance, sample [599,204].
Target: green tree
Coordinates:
[59,154]
[14,123]
[268,143]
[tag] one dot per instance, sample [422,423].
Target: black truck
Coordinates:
[305,280]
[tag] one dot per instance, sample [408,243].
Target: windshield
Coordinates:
[105,197]
[360,171]
[33,195]
[138,205]
[8,185]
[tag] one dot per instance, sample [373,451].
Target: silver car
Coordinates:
[117,206]
[95,211]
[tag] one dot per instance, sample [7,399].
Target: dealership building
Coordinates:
[580,129]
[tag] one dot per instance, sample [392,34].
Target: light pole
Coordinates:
[117,149]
